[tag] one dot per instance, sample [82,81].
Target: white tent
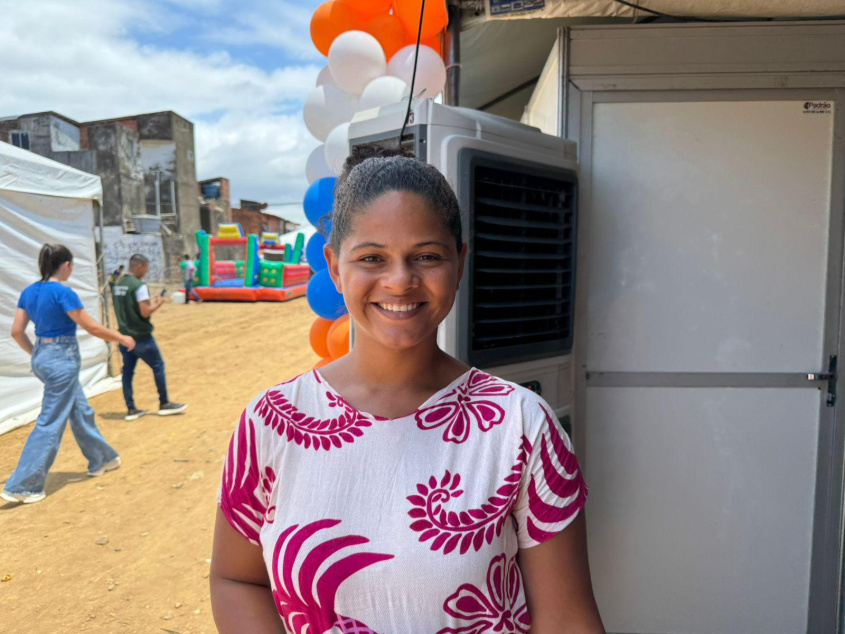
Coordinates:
[43,201]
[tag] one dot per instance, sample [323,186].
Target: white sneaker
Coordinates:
[26,498]
[109,466]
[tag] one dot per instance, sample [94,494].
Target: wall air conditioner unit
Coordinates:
[518,192]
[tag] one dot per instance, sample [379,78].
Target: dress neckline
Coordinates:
[429,401]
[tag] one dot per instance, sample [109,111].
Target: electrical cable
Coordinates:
[413,76]
[660,14]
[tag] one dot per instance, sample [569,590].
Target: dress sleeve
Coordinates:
[245,488]
[69,300]
[552,489]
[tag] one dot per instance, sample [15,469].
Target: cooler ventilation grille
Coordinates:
[522,265]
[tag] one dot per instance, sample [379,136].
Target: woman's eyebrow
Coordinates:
[375,245]
[368,245]
[430,243]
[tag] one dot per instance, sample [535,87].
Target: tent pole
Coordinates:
[563,36]
[103,283]
[452,56]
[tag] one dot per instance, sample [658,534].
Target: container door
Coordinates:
[713,280]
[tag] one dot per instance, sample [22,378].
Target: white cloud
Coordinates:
[282,25]
[78,58]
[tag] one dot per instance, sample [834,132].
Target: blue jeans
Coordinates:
[190,292]
[57,366]
[147,351]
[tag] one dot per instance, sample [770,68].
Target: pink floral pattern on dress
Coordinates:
[466,405]
[567,487]
[471,528]
[243,499]
[496,609]
[302,611]
[278,413]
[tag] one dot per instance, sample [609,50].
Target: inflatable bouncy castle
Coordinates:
[236,267]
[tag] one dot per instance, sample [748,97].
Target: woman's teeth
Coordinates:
[398,308]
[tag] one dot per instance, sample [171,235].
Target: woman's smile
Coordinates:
[399,311]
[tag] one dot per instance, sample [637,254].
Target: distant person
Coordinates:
[190,271]
[115,277]
[56,310]
[133,309]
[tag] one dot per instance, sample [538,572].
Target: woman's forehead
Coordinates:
[398,208]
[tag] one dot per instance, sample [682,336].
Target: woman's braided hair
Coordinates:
[371,172]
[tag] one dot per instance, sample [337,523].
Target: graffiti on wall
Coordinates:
[119,247]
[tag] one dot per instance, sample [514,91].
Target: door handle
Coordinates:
[831,377]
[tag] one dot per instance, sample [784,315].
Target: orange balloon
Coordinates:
[319,336]
[435,19]
[432,42]
[322,362]
[389,32]
[330,20]
[339,337]
[370,7]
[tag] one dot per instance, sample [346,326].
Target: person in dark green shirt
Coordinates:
[133,309]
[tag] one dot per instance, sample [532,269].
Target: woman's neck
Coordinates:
[422,365]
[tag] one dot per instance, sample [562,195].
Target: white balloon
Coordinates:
[431,72]
[316,167]
[355,59]
[325,77]
[325,108]
[383,91]
[337,148]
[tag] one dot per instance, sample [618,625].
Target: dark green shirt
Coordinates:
[126,295]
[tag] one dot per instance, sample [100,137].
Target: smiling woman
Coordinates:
[397,489]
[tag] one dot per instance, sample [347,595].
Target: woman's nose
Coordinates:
[400,277]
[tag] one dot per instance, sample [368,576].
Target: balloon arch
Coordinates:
[370,46]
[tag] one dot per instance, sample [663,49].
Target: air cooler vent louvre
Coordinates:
[522,262]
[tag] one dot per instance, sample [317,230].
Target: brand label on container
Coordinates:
[818,107]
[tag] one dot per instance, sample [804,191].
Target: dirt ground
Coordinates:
[156,512]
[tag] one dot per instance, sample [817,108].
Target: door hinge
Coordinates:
[830,376]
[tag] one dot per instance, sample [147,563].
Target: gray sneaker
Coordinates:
[109,466]
[135,414]
[26,498]
[168,409]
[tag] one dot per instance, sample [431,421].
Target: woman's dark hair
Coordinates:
[52,256]
[370,173]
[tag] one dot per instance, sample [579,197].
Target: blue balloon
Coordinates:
[323,297]
[319,199]
[314,252]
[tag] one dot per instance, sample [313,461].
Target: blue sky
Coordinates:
[239,70]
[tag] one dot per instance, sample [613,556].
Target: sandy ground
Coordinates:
[156,512]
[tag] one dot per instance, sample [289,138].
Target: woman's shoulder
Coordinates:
[516,399]
[292,392]
[480,382]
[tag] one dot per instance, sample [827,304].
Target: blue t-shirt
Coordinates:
[48,304]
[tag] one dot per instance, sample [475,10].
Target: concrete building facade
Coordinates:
[146,163]
[255,217]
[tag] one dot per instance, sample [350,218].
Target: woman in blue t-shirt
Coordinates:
[56,311]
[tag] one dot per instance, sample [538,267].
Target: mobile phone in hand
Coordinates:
[163,292]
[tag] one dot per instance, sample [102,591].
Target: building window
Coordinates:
[20,139]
